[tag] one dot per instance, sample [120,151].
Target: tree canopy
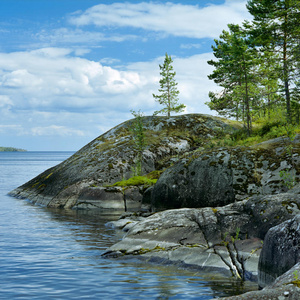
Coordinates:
[257,64]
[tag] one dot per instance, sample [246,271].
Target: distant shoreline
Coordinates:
[11,149]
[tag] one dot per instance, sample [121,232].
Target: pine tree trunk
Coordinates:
[286,76]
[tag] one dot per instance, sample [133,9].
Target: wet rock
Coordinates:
[286,286]
[204,237]
[281,251]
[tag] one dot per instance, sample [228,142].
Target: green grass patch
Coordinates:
[261,132]
[135,181]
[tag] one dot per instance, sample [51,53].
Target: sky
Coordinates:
[72,69]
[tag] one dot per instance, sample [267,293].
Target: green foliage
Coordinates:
[266,127]
[296,275]
[137,130]
[138,134]
[288,178]
[276,26]
[136,170]
[258,64]
[168,89]
[135,181]
[236,72]
[296,280]
[154,174]
[147,180]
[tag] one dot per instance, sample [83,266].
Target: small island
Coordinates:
[11,149]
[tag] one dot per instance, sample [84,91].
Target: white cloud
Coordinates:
[51,80]
[20,78]
[174,19]
[78,36]
[55,130]
[47,92]
[190,46]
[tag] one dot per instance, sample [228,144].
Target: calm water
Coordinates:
[54,254]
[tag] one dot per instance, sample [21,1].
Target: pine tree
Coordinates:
[168,89]
[268,80]
[236,72]
[276,23]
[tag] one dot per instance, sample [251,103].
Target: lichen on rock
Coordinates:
[110,158]
[221,176]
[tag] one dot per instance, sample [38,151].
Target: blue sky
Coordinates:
[72,69]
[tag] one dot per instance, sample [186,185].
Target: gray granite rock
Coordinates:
[80,181]
[281,251]
[221,176]
[204,237]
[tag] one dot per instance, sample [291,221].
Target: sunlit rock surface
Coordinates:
[110,158]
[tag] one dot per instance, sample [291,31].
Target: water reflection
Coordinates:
[133,276]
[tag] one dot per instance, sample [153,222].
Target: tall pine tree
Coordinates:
[168,89]
[276,23]
[236,72]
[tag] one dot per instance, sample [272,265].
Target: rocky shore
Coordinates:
[228,238]
[228,209]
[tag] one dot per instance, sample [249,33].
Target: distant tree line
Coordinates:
[11,149]
[258,64]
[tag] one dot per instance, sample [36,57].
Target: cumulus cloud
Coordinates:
[53,79]
[50,78]
[56,85]
[190,46]
[175,19]
[76,85]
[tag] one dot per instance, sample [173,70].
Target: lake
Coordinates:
[56,254]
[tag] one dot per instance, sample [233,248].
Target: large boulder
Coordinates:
[111,157]
[281,251]
[221,176]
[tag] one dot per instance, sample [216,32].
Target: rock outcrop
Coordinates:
[81,180]
[226,238]
[221,176]
[281,251]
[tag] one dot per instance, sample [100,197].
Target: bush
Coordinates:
[267,127]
